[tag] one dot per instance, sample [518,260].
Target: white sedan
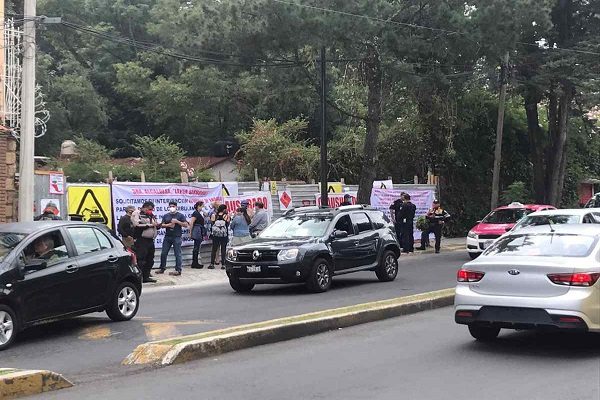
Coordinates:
[564,216]
[540,277]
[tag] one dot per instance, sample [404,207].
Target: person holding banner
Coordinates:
[197,230]
[437,217]
[145,231]
[173,222]
[220,234]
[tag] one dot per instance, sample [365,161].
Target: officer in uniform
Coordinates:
[437,217]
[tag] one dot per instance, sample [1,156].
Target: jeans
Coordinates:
[196,252]
[216,242]
[169,241]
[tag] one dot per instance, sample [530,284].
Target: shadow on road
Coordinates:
[300,289]
[565,345]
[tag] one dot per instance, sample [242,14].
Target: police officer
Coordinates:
[437,217]
[396,212]
[407,217]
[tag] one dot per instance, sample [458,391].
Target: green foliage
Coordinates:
[422,223]
[516,191]
[161,158]
[277,151]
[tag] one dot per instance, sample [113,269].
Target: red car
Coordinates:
[497,223]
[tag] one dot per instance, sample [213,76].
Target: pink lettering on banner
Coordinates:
[335,200]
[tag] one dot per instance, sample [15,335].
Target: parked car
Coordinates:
[497,223]
[561,216]
[539,277]
[57,269]
[312,244]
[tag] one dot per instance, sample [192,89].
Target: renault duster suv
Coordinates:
[310,245]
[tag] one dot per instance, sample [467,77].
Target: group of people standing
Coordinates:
[139,228]
[403,213]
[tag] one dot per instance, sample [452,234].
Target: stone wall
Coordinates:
[8,169]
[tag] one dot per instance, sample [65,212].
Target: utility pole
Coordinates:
[324,166]
[27,149]
[2,65]
[499,132]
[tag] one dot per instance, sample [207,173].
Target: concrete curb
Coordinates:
[17,383]
[207,344]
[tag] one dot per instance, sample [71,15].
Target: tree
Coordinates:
[161,158]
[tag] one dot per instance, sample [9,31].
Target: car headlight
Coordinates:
[288,254]
[472,235]
[231,254]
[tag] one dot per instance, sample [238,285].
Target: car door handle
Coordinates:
[112,259]
[72,268]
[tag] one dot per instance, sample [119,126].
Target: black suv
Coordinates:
[56,269]
[312,244]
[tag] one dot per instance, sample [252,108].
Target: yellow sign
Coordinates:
[91,202]
[334,187]
[273,187]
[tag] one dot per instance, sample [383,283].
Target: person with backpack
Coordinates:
[240,227]
[145,229]
[197,230]
[220,234]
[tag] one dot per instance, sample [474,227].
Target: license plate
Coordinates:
[253,268]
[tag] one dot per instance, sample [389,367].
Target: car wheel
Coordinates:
[239,286]
[387,270]
[319,279]
[125,302]
[8,327]
[474,255]
[484,333]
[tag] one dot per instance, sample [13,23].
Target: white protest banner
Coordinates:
[387,184]
[228,188]
[335,200]
[382,199]
[234,202]
[161,194]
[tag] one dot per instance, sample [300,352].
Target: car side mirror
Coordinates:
[339,234]
[34,265]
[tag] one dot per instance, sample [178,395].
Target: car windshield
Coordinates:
[534,220]
[8,241]
[544,245]
[297,226]
[505,216]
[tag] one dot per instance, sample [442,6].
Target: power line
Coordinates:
[416,26]
[158,49]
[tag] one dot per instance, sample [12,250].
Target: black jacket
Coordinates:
[407,213]
[125,227]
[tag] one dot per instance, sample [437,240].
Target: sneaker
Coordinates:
[437,252]
[175,273]
[160,271]
[211,266]
[420,248]
[149,280]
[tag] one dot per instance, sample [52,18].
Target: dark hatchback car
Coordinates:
[55,269]
[312,244]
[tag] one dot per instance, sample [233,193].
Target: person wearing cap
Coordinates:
[437,217]
[173,222]
[347,200]
[407,218]
[125,226]
[50,213]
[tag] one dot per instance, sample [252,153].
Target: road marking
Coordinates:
[166,330]
[96,333]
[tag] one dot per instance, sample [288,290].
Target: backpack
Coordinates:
[219,228]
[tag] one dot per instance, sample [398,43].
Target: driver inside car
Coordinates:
[43,249]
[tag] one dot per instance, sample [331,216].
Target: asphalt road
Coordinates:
[91,348]
[421,356]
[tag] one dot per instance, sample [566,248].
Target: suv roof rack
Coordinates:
[302,209]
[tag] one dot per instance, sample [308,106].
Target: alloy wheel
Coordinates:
[127,301]
[323,275]
[6,327]
[391,265]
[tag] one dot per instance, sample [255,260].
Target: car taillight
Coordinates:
[464,275]
[584,279]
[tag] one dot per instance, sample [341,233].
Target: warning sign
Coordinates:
[92,203]
[285,200]
[334,187]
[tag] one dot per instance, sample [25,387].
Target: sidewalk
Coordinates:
[202,277]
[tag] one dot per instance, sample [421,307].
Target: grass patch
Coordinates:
[6,371]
